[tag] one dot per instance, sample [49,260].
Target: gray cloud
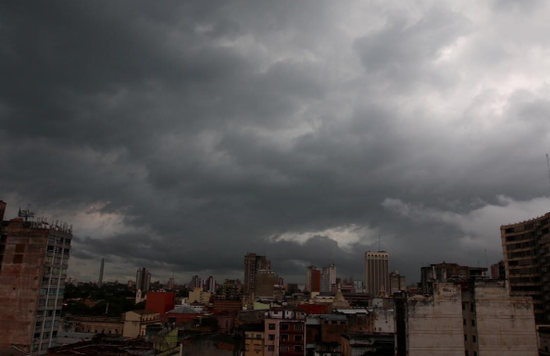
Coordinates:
[181,136]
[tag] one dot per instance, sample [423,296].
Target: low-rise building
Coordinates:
[136,321]
[94,324]
[254,340]
[284,332]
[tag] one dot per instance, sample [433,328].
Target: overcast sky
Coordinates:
[178,136]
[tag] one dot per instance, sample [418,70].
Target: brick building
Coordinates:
[34,257]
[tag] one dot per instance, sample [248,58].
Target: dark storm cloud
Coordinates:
[181,136]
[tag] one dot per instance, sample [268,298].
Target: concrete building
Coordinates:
[264,285]
[447,272]
[199,296]
[254,340]
[136,321]
[210,284]
[525,246]
[477,318]
[171,284]
[252,263]
[328,278]
[34,256]
[284,332]
[313,282]
[377,279]
[498,271]
[160,302]
[143,280]
[398,282]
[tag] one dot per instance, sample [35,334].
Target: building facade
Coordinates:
[34,257]
[527,262]
[477,318]
[313,282]
[285,332]
[328,278]
[377,279]
[252,263]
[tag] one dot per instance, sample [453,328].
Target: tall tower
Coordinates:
[100,282]
[34,257]
[253,263]
[377,279]
[143,279]
[525,246]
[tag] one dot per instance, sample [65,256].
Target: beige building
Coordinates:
[377,278]
[480,320]
[136,321]
[94,324]
[199,296]
[254,341]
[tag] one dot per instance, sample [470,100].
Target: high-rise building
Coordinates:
[252,263]
[210,284]
[34,256]
[527,262]
[377,278]
[313,282]
[328,278]
[143,279]
[171,284]
[100,282]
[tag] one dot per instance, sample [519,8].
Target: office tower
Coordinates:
[313,282]
[525,246]
[196,282]
[100,283]
[210,284]
[328,278]
[377,279]
[34,256]
[252,263]
[398,282]
[143,279]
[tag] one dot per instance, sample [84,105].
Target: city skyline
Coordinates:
[180,137]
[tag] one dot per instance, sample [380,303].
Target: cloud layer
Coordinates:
[181,136]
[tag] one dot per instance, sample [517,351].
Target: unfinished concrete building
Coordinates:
[33,266]
[476,318]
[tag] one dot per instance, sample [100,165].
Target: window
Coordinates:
[258,336]
[463,321]
[474,338]
[43,291]
[271,337]
[50,249]
[20,248]
[298,327]
[17,259]
[284,337]
[284,326]
[298,338]
[284,348]
[271,327]
[298,348]
[270,348]
[465,337]
[473,322]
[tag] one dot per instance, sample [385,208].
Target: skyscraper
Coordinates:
[143,279]
[252,263]
[100,282]
[34,256]
[525,246]
[313,282]
[328,278]
[377,279]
